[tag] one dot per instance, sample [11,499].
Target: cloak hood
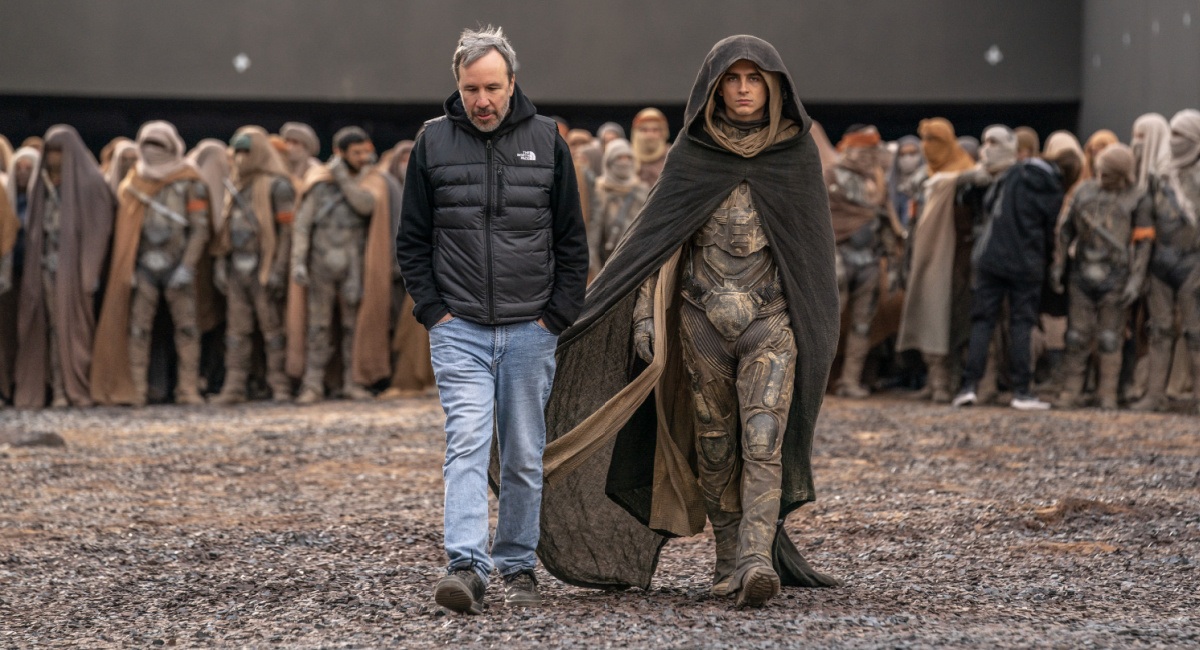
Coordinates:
[621,447]
[165,159]
[1155,149]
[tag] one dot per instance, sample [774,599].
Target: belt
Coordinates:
[765,293]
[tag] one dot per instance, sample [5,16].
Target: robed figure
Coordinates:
[726,283]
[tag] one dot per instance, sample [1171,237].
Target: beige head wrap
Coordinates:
[164,159]
[1156,147]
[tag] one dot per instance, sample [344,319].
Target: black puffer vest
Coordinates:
[493,243]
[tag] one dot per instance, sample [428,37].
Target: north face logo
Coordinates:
[528,156]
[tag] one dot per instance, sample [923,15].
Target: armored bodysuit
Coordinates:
[175,231]
[1174,284]
[1111,232]
[740,356]
[327,255]
[253,268]
[855,198]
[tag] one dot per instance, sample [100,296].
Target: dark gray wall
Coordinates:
[1138,57]
[618,51]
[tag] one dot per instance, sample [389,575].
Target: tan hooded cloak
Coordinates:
[928,304]
[112,378]
[211,159]
[85,223]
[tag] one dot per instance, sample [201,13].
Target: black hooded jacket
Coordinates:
[1022,208]
[493,230]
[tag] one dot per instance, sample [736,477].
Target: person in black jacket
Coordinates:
[1010,258]
[494,253]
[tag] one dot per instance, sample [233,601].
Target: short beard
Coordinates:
[500,115]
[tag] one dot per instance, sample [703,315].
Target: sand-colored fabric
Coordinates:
[1092,148]
[648,151]
[1187,124]
[112,377]
[925,320]
[112,173]
[109,152]
[24,153]
[163,134]
[1028,143]
[1156,149]
[260,169]
[371,356]
[85,222]
[1118,159]
[210,158]
[6,154]
[941,148]
[10,225]
[413,371]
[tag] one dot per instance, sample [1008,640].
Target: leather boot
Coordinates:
[939,378]
[277,379]
[725,530]
[233,391]
[139,365]
[187,389]
[1110,377]
[1158,362]
[857,347]
[1074,373]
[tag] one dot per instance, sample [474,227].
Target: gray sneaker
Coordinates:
[461,591]
[521,589]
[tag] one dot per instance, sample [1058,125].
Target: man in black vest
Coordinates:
[494,253]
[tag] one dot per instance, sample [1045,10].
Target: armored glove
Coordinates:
[1133,290]
[643,339]
[182,277]
[300,275]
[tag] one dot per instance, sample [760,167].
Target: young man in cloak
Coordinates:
[340,254]
[302,148]
[67,231]
[164,221]
[733,250]
[253,252]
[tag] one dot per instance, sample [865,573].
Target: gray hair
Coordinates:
[474,44]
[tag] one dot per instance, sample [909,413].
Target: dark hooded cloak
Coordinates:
[85,226]
[601,484]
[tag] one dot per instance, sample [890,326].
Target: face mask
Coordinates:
[908,163]
[621,168]
[1180,146]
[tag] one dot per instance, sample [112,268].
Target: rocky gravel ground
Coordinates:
[281,526]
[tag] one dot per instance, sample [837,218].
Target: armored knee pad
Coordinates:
[277,342]
[716,448]
[760,436]
[1074,339]
[1109,341]
[862,329]
[139,334]
[190,331]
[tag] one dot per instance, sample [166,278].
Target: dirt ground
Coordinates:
[282,526]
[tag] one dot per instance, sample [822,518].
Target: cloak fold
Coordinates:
[925,321]
[85,223]
[371,356]
[112,377]
[620,463]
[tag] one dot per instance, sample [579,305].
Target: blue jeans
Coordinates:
[487,374]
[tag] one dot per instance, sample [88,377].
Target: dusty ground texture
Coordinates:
[272,526]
